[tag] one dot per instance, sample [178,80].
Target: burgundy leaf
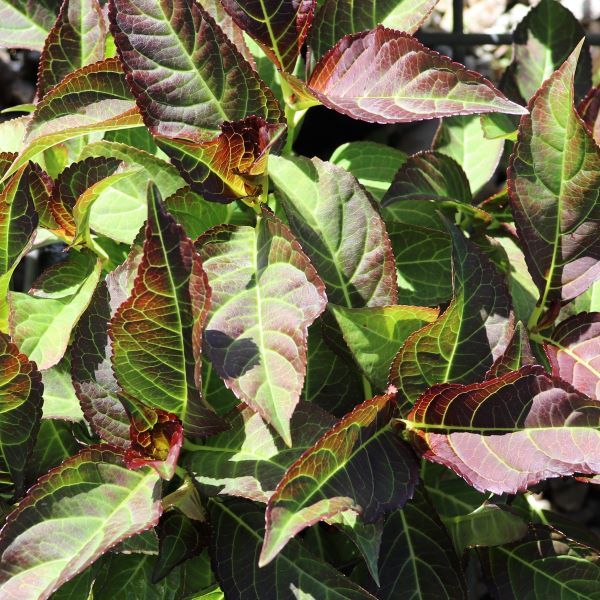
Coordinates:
[516,355]
[386,76]
[589,111]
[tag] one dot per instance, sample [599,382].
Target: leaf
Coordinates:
[60,400]
[417,559]
[463,139]
[41,327]
[508,433]
[279,27]
[374,335]
[542,565]
[180,538]
[517,354]
[238,532]
[256,331]
[321,484]
[554,187]
[331,382]
[188,78]
[156,333]
[488,525]
[230,165]
[26,23]
[339,229]
[18,221]
[542,42]
[21,401]
[77,39]
[374,165]
[52,536]
[574,353]
[589,111]
[91,368]
[156,439]
[247,460]
[386,76]
[463,342]
[337,18]
[94,98]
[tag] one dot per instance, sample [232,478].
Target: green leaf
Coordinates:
[53,535]
[463,139]
[265,294]
[238,532]
[94,98]
[463,342]
[77,39]
[387,76]
[21,400]
[374,165]
[26,23]
[18,220]
[41,327]
[339,228]
[554,187]
[198,78]
[60,400]
[374,335]
[417,559]
[543,565]
[321,484]
[279,27]
[158,330]
[248,460]
[337,18]
[542,42]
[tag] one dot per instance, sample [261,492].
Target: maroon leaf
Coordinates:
[279,27]
[516,355]
[554,186]
[574,352]
[77,39]
[156,439]
[386,76]
[510,432]
[589,111]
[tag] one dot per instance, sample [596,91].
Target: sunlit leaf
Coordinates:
[374,165]
[158,329]
[322,484]
[41,326]
[337,18]
[508,433]
[340,230]
[26,23]
[279,27]
[238,533]
[517,354]
[463,342]
[53,535]
[60,399]
[76,40]
[574,352]
[374,335]
[265,294]
[21,402]
[387,76]
[554,186]
[248,460]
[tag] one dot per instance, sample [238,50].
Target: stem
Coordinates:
[367,390]
[535,317]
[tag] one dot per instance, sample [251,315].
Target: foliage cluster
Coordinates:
[257,375]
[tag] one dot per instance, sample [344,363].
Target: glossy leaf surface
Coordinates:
[554,186]
[265,294]
[508,433]
[279,27]
[339,228]
[26,23]
[386,76]
[465,340]
[322,484]
[52,536]
[158,328]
